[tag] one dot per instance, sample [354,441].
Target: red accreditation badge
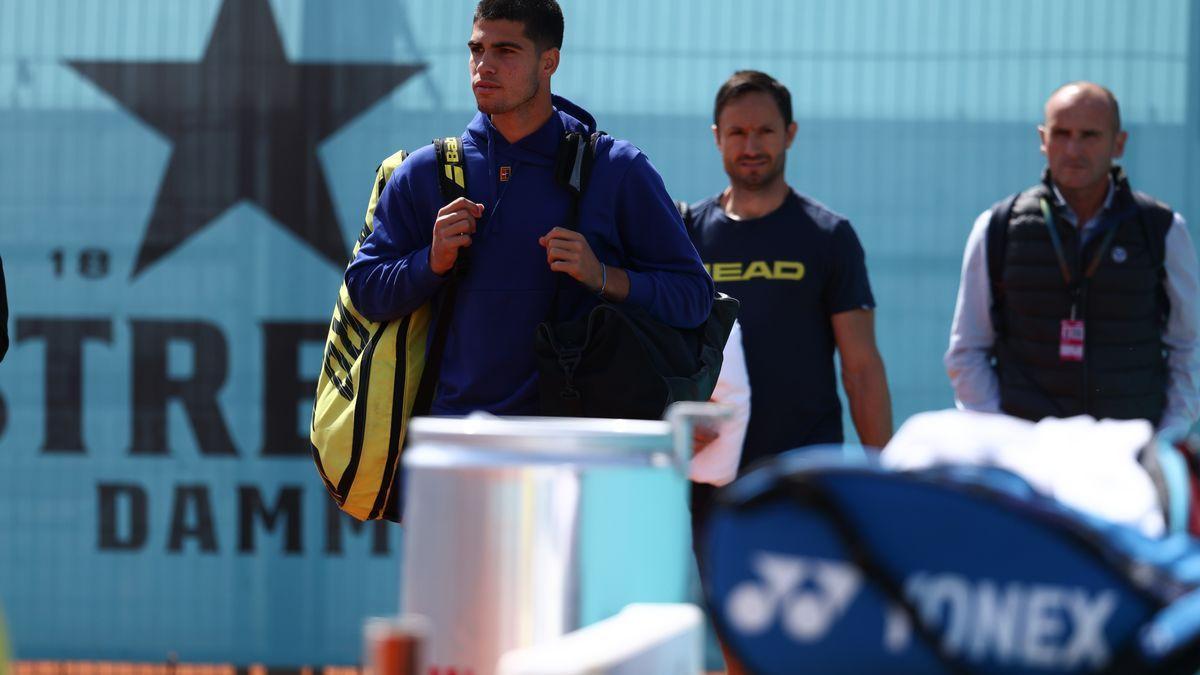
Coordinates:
[505,173]
[1070,344]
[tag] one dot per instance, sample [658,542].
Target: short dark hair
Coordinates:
[543,19]
[749,81]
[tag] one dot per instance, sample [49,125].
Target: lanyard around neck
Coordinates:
[1056,242]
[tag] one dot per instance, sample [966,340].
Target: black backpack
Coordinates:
[619,361]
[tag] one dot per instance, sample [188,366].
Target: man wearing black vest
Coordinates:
[1078,295]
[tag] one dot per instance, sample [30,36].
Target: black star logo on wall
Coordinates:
[246,124]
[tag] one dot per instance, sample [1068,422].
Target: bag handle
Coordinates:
[572,171]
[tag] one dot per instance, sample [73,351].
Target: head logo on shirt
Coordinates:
[771,270]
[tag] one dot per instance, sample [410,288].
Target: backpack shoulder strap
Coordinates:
[572,170]
[452,181]
[452,170]
[573,166]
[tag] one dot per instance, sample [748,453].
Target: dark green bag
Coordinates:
[619,361]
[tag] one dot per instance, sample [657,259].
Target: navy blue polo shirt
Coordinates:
[792,270]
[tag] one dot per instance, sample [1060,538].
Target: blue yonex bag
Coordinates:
[817,565]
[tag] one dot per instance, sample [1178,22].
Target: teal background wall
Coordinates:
[914,116]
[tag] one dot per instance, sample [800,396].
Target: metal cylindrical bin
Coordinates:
[519,530]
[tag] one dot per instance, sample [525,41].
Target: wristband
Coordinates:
[603,279]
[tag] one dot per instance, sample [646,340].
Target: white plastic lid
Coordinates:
[537,439]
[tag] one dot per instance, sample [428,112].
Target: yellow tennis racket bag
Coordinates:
[374,376]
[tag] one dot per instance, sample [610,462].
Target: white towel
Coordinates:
[1091,466]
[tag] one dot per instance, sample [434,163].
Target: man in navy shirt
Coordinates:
[800,274]
[630,247]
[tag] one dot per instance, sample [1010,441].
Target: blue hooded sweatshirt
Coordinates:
[626,215]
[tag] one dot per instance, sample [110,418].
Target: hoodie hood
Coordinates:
[574,112]
[539,147]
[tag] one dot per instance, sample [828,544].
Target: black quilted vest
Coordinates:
[1123,374]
